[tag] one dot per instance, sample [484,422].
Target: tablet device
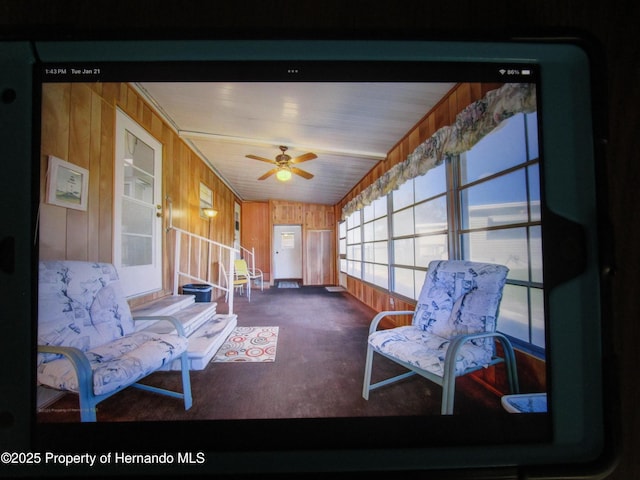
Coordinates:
[528,107]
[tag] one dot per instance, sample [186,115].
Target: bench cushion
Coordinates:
[118,363]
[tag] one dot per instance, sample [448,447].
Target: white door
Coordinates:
[287,251]
[137,222]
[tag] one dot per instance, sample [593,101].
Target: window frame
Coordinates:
[455,233]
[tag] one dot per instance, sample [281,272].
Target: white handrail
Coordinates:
[254,272]
[206,277]
[251,253]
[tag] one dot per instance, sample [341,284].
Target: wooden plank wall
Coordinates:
[255,234]
[78,123]
[318,236]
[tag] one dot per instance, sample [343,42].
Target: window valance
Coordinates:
[471,124]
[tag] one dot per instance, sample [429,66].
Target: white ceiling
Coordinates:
[349,126]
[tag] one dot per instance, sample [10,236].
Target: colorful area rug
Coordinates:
[249,344]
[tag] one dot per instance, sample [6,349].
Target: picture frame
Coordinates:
[67,184]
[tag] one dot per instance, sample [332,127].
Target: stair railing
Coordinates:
[195,257]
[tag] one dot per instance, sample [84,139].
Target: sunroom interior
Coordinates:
[403,174]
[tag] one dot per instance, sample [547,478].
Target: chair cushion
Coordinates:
[460,297]
[118,363]
[427,351]
[80,304]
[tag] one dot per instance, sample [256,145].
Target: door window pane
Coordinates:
[136,218]
[136,250]
[138,154]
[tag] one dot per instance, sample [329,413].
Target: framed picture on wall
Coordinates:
[67,184]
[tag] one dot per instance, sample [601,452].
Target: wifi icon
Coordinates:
[502,71]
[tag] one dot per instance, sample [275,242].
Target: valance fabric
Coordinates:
[471,125]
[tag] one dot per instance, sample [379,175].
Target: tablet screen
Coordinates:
[338,175]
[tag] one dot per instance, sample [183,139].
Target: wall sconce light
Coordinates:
[209,212]
[283,174]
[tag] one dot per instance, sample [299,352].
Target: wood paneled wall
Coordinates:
[255,234]
[318,236]
[78,125]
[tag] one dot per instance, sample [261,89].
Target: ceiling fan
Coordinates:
[284,165]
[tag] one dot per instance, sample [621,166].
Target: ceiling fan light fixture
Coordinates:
[283,174]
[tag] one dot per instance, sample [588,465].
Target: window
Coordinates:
[499,215]
[420,229]
[354,244]
[375,260]
[342,246]
[483,205]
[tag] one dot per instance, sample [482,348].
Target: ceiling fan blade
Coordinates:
[262,159]
[304,158]
[302,173]
[269,173]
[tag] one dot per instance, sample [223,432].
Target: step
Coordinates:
[164,306]
[192,317]
[206,340]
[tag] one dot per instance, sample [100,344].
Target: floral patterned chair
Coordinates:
[87,342]
[453,331]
